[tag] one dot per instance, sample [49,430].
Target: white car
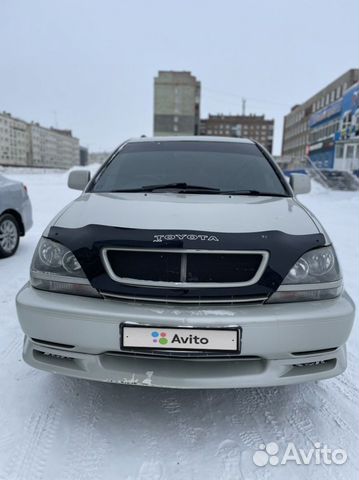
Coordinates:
[15,215]
[187,262]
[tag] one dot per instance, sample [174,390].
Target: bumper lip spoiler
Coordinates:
[182,373]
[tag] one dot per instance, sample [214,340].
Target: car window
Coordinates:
[227,166]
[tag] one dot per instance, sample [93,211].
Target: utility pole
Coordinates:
[244,106]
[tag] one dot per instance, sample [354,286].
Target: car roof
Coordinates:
[195,138]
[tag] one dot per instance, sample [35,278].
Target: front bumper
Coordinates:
[26,214]
[281,344]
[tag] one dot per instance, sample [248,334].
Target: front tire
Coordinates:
[9,235]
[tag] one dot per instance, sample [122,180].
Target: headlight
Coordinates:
[56,269]
[315,276]
[316,266]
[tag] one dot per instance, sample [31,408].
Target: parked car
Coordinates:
[187,262]
[15,215]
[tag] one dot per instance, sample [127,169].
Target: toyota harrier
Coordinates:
[187,262]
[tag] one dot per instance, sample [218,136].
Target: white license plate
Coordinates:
[163,338]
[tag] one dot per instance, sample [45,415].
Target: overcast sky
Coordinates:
[89,65]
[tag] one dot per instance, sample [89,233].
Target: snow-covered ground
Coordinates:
[60,428]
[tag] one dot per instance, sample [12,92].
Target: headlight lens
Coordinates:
[55,268]
[54,257]
[315,276]
[316,266]
[299,271]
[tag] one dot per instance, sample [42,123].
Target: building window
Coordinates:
[339,151]
[350,151]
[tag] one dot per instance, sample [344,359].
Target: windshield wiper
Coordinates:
[255,193]
[182,186]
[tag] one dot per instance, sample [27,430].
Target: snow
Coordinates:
[68,429]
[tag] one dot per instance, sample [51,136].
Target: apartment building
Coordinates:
[176,104]
[51,147]
[14,141]
[256,127]
[30,144]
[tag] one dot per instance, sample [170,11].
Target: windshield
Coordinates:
[195,167]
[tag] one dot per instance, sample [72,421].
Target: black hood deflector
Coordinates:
[87,242]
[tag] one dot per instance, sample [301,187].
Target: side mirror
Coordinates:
[78,179]
[300,183]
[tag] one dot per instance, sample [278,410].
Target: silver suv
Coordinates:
[189,263]
[15,215]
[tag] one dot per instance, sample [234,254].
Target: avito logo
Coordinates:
[269,454]
[162,339]
[159,337]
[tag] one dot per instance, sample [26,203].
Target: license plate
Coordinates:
[163,338]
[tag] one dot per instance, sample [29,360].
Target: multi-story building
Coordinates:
[14,141]
[176,104]
[347,138]
[30,144]
[250,126]
[334,133]
[322,128]
[296,123]
[51,147]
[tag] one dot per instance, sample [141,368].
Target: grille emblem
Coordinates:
[203,238]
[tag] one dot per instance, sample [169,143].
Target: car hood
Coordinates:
[95,223]
[168,211]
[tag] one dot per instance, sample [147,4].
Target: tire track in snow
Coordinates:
[261,406]
[186,430]
[346,387]
[300,420]
[327,408]
[29,458]
[331,414]
[6,437]
[229,453]
[15,344]
[171,405]
[254,419]
[86,448]
[251,439]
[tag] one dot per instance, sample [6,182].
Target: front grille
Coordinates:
[220,268]
[184,268]
[229,300]
[158,267]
